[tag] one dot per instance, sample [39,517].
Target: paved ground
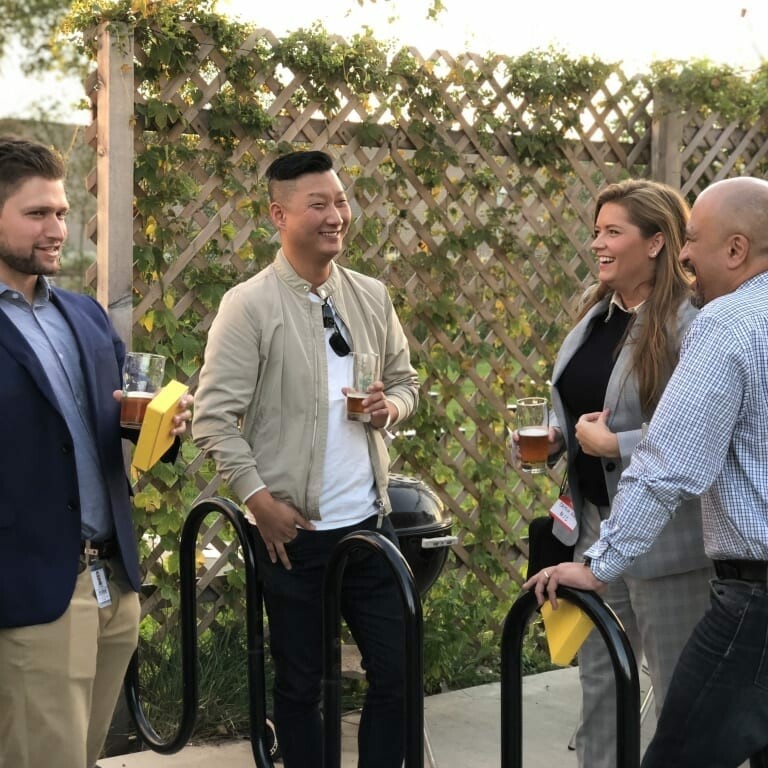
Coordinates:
[463,731]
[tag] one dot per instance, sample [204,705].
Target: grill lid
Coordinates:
[416,508]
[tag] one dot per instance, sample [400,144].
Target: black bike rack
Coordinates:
[414,662]
[188,620]
[624,668]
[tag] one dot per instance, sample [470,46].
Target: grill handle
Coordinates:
[436,542]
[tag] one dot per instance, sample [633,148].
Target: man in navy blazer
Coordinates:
[69,608]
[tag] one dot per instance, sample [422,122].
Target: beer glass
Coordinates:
[532,414]
[142,380]
[365,366]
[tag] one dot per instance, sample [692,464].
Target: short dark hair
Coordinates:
[22,159]
[294,164]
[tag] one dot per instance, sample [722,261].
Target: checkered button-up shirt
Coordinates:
[708,437]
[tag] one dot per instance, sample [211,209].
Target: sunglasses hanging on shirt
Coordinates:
[337,341]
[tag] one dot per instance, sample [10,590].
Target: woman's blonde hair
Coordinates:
[652,207]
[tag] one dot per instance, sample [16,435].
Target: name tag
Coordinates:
[562,511]
[100,584]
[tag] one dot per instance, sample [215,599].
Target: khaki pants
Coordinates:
[59,682]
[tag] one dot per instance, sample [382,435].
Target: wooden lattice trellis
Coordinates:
[505,289]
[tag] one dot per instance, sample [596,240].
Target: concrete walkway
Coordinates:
[463,730]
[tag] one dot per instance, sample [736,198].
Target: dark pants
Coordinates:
[716,711]
[372,609]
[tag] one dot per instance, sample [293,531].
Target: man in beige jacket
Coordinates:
[271,412]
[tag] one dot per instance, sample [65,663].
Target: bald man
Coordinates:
[709,438]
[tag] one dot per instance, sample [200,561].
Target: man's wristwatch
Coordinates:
[587,561]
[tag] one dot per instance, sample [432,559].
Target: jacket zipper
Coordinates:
[314,420]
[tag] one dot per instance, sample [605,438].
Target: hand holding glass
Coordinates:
[533,432]
[366,370]
[142,380]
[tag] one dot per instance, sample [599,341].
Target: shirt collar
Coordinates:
[290,277]
[617,303]
[42,291]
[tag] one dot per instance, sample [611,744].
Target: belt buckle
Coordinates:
[90,552]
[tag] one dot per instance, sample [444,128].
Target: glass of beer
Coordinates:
[532,415]
[365,367]
[142,380]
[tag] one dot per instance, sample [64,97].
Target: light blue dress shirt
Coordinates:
[54,344]
[708,437]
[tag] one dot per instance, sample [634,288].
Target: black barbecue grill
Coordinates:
[423,527]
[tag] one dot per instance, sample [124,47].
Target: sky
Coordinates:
[733,32]
[606,28]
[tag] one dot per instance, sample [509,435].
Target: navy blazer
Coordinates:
[39,496]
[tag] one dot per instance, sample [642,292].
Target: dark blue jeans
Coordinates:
[372,609]
[716,711]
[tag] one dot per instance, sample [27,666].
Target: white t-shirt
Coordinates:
[349,490]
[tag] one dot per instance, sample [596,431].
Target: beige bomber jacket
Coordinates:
[261,407]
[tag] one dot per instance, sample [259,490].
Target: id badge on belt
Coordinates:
[562,510]
[100,583]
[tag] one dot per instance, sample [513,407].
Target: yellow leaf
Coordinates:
[140,7]
[148,321]
[151,228]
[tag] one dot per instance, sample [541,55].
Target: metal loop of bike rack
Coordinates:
[414,662]
[624,668]
[188,620]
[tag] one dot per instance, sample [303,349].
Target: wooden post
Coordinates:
[114,176]
[666,141]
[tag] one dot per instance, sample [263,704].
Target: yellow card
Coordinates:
[155,435]
[566,628]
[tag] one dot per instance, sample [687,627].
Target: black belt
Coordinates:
[742,570]
[101,550]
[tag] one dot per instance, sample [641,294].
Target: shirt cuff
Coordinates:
[255,490]
[605,563]
[389,420]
